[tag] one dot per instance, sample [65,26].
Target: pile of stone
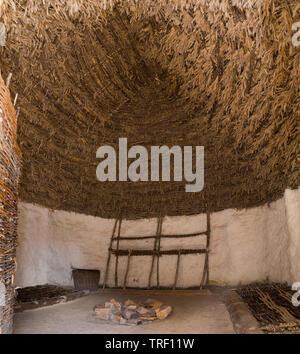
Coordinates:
[132,313]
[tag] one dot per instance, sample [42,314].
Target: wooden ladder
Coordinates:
[155,253]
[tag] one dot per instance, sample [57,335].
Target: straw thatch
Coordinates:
[223,74]
[9,175]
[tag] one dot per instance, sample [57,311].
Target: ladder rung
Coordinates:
[158,253]
[161,236]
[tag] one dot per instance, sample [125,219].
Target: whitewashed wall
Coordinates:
[249,245]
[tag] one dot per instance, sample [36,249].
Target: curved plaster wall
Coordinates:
[246,245]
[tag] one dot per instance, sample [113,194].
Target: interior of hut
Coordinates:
[132,252]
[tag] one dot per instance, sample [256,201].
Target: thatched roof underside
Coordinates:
[223,74]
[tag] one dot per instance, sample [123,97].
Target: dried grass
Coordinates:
[222,74]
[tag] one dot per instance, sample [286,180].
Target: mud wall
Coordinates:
[250,245]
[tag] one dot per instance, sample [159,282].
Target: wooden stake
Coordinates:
[177,270]
[117,256]
[205,274]
[153,256]
[208,246]
[158,251]
[109,254]
[127,269]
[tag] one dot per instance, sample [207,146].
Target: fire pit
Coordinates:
[132,313]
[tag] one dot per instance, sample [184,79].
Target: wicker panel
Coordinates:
[9,175]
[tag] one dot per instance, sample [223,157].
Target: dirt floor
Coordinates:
[193,312]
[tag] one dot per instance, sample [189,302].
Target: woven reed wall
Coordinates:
[223,74]
[10,157]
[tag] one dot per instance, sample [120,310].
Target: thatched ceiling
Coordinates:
[222,74]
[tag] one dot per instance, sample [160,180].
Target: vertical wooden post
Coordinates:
[208,246]
[127,270]
[158,250]
[109,254]
[205,275]
[177,270]
[117,256]
[153,256]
